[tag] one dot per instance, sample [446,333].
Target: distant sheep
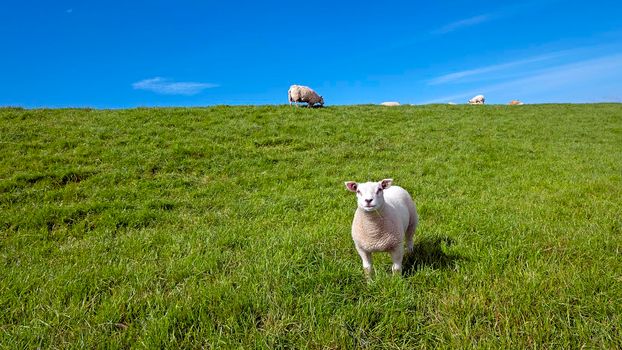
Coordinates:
[384,216]
[477,100]
[515,103]
[390,104]
[299,93]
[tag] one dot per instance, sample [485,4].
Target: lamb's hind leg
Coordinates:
[397,255]
[410,232]
[412,227]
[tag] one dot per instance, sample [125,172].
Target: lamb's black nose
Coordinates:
[369,200]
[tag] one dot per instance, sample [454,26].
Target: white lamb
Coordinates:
[384,216]
[390,104]
[477,100]
[299,93]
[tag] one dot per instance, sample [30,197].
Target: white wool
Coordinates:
[390,104]
[477,100]
[385,215]
[299,93]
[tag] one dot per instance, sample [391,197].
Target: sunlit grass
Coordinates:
[230,227]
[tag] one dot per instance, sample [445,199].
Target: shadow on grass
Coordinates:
[305,105]
[428,252]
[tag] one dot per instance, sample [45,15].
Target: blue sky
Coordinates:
[116,54]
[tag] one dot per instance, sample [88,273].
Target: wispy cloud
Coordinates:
[503,12]
[467,22]
[457,76]
[577,78]
[69,11]
[168,87]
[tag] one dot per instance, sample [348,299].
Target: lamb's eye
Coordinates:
[358,192]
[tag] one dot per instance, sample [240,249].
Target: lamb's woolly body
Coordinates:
[390,104]
[299,93]
[382,221]
[376,231]
[477,100]
[384,229]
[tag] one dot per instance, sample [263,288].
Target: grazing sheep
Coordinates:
[384,216]
[515,103]
[477,100]
[299,93]
[390,104]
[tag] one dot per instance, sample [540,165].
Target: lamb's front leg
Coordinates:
[397,254]
[366,258]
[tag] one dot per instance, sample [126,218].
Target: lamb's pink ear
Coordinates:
[351,186]
[386,183]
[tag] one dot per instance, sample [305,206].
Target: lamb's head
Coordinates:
[369,195]
[321,101]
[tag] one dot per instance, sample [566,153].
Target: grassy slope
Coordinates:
[229,226]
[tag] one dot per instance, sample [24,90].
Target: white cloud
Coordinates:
[507,11]
[69,11]
[167,87]
[467,22]
[578,81]
[456,76]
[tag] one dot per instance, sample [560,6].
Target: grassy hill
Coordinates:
[230,227]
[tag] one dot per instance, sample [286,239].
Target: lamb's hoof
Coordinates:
[369,274]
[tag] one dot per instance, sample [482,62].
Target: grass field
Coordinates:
[229,227]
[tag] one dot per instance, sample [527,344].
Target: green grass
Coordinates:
[229,227]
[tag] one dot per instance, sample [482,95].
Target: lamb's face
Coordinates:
[321,100]
[369,195]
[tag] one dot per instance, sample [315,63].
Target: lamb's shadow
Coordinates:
[304,105]
[428,252]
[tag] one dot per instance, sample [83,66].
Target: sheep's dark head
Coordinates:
[369,195]
[321,101]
